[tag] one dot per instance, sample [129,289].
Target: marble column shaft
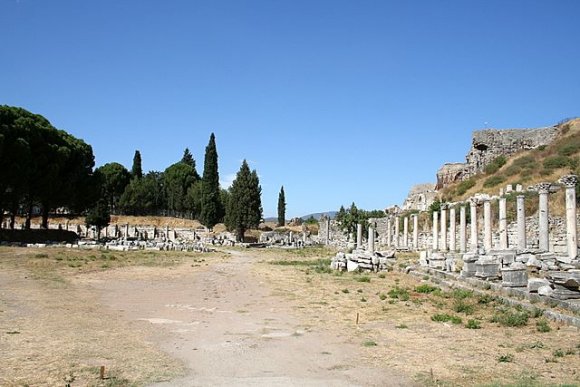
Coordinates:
[371,241]
[473,213]
[406,231]
[487,225]
[521,219]
[570,182]
[435,233]
[443,245]
[452,229]
[415,231]
[543,191]
[359,232]
[397,231]
[389,231]
[503,237]
[462,230]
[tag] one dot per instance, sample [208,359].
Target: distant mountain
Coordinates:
[318,215]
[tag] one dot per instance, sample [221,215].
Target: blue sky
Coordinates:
[339,101]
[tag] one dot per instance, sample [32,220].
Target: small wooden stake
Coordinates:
[102,372]
[356,318]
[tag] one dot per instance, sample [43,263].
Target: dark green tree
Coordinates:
[281,208]
[143,196]
[137,170]
[99,216]
[245,204]
[188,158]
[211,209]
[177,180]
[114,179]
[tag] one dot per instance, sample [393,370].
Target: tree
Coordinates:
[189,160]
[177,180]
[245,204]
[136,170]
[281,208]
[143,196]
[114,180]
[99,216]
[211,209]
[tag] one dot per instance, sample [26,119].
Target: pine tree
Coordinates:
[136,170]
[211,211]
[245,205]
[188,158]
[281,208]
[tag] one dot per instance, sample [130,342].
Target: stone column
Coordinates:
[443,245]
[521,218]
[503,239]
[462,230]
[397,230]
[487,225]
[473,213]
[359,232]
[543,191]
[452,229]
[406,231]
[327,231]
[435,234]
[389,231]
[415,231]
[371,240]
[569,182]
[126,231]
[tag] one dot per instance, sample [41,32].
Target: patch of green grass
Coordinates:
[425,288]
[465,185]
[556,162]
[402,326]
[460,306]
[510,317]
[41,255]
[369,343]
[460,294]
[444,317]
[399,293]
[473,324]
[558,353]
[382,275]
[345,291]
[485,299]
[493,181]
[362,299]
[382,296]
[495,165]
[543,326]
[507,358]
[362,278]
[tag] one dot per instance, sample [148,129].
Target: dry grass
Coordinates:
[397,312]
[54,331]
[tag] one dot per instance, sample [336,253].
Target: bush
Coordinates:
[461,306]
[369,343]
[473,324]
[363,278]
[508,358]
[543,326]
[425,288]
[511,317]
[512,170]
[460,294]
[398,293]
[444,317]
[465,185]
[495,165]
[525,162]
[555,162]
[493,181]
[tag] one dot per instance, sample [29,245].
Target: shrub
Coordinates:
[345,291]
[507,358]
[464,186]
[461,306]
[511,317]
[382,296]
[444,317]
[512,170]
[543,326]
[558,353]
[525,162]
[398,293]
[473,324]
[363,278]
[369,343]
[425,288]
[555,162]
[495,165]
[460,294]
[493,181]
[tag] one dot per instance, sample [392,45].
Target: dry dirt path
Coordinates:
[228,329]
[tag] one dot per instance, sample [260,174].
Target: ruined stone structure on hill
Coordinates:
[489,144]
[420,197]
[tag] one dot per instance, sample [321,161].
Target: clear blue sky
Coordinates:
[339,101]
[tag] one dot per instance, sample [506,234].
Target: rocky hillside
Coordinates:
[546,161]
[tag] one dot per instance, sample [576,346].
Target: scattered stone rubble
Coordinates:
[362,260]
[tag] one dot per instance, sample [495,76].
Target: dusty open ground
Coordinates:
[265,317]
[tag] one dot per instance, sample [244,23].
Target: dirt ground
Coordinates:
[255,318]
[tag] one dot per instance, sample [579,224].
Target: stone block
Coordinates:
[545,290]
[351,266]
[536,283]
[514,276]
[487,267]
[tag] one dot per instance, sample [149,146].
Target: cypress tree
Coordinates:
[210,188]
[136,170]
[188,158]
[281,208]
[245,205]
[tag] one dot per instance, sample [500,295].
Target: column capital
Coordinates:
[521,197]
[569,181]
[444,206]
[473,202]
[544,188]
